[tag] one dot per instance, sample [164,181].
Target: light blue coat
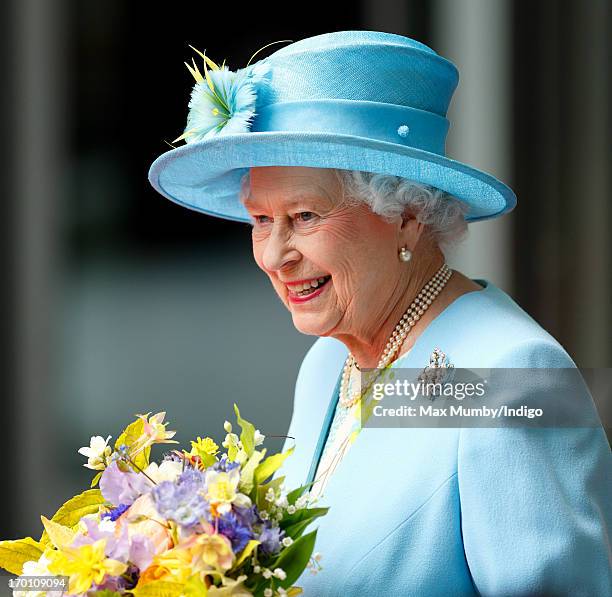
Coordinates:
[426,512]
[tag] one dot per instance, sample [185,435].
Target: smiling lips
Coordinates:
[303,290]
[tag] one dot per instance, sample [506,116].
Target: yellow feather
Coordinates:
[195,73]
[185,135]
[206,59]
[212,88]
[209,80]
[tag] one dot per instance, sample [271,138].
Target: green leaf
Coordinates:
[74,509]
[248,471]
[247,437]
[301,515]
[260,498]
[96,480]
[246,552]
[297,529]
[294,559]
[14,554]
[292,496]
[270,465]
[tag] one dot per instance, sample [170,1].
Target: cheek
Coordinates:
[351,251]
[258,249]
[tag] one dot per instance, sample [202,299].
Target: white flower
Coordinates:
[317,556]
[287,541]
[291,509]
[38,568]
[257,569]
[302,501]
[168,470]
[282,502]
[281,591]
[267,573]
[97,453]
[227,426]
[268,592]
[263,515]
[107,525]
[259,437]
[280,573]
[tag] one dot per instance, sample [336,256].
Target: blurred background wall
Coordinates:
[117,301]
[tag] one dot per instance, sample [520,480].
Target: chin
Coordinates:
[311,325]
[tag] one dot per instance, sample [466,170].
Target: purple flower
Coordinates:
[115,513]
[141,552]
[191,477]
[225,465]
[120,487]
[247,516]
[235,530]
[182,501]
[136,549]
[270,538]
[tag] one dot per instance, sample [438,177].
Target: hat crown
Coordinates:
[361,65]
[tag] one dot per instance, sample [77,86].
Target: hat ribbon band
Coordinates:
[373,120]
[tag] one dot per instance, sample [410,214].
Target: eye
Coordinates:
[305,216]
[261,219]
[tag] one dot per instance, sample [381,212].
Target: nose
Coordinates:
[279,252]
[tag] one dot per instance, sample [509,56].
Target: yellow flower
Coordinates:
[222,491]
[206,449]
[84,565]
[211,551]
[153,432]
[174,562]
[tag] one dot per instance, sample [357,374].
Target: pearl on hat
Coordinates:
[403,130]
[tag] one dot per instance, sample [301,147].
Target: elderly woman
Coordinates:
[333,149]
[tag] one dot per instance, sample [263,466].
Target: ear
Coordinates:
[410,230]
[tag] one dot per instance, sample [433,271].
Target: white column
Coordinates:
[476,36]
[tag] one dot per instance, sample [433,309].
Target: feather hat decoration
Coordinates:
[222,101]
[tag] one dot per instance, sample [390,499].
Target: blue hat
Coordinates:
[355,100]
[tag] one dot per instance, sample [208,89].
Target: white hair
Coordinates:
[388,196]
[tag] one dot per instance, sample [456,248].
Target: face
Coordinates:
[330,262]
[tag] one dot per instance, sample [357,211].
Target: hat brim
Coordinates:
[205,176]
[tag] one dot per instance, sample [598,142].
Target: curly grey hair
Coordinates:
[388,196]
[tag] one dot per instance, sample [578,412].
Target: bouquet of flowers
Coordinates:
[198,523]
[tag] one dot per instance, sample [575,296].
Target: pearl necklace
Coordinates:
[414,312]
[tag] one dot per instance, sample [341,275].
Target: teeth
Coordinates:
[308,285]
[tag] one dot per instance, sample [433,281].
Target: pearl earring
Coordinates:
[405,254]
